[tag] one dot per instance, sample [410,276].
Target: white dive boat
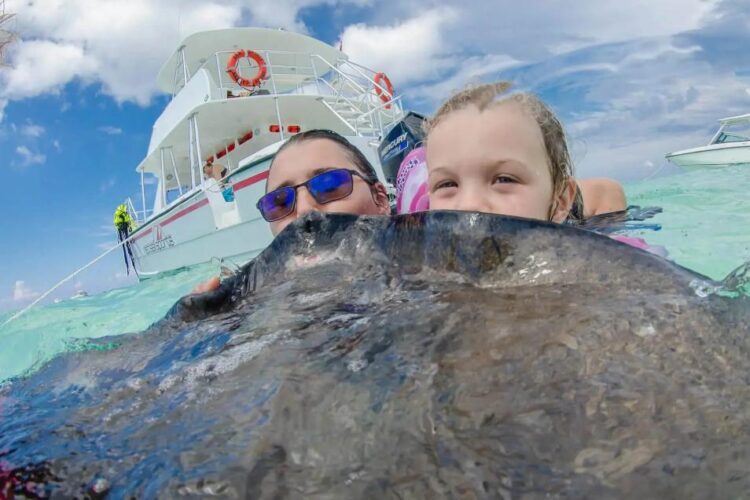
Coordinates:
[729,146]
[237,94]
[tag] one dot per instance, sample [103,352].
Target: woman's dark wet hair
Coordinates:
[355,155]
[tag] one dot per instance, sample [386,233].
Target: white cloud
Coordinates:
[411,51]
[56,145]
[539,29]
[471,70]
[110,130]
[29,158]
[32,130]
[630,95]
[22,292]
[644,108]
[122,45]
[44,66]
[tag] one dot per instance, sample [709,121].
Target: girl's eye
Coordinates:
[504,179]
[445,184]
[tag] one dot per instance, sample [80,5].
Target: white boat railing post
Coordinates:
[275,95]
[197,147]
[143,196]
[174,162]
[226,155]
[270,73]
[174,169]
[185,72]
[163,179]
[132,210]
[315,73]
[236,148]
[175,78]
[191,151]
[219,72]
[278,117]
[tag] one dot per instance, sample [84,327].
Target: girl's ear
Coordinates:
[564,201]
[380,196]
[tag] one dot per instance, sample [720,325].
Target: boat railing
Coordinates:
[346,85]
[138,216]
[348,90]
[375,113]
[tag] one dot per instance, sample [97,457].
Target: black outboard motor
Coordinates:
[405,136]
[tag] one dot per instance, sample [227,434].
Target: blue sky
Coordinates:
[631,81]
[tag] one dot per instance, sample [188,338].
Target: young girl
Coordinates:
[496,153]
[487,151]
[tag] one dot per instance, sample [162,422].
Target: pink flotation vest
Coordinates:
[411,183]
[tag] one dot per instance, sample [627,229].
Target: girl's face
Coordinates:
[492,161]
[300,162]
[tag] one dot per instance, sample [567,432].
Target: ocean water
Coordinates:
[704,224]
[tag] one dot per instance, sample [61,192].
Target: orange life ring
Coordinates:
[382,81]
[234,74]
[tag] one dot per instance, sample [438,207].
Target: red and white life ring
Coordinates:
[234,74]
[382,81]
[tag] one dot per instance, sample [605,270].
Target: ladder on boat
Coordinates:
[360,122]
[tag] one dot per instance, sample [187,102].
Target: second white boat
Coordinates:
[729,146]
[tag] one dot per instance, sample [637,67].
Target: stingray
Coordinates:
[434,355]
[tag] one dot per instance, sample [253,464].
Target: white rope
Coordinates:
[45,294]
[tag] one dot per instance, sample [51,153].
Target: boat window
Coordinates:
[741,134]
[173,194]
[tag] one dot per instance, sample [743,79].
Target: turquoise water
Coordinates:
[705,226]
[705,219]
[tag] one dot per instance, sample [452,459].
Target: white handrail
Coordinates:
[344,120]
[356,67]
[346,77]
[345,89]
[383,105]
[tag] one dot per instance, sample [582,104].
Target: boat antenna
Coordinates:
[7,36]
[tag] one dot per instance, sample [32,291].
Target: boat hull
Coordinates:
[717,155]
[205,226]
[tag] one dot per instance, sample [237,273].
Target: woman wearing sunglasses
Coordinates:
[317,170]
[320,170]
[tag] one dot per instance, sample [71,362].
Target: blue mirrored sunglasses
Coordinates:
[326,187]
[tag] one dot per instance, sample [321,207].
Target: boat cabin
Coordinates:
[238,92]
[733,129]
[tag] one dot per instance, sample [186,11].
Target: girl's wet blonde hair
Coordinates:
[491,94]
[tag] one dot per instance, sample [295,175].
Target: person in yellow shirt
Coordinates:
[124,224]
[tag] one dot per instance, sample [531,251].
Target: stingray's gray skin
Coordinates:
[422,356]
